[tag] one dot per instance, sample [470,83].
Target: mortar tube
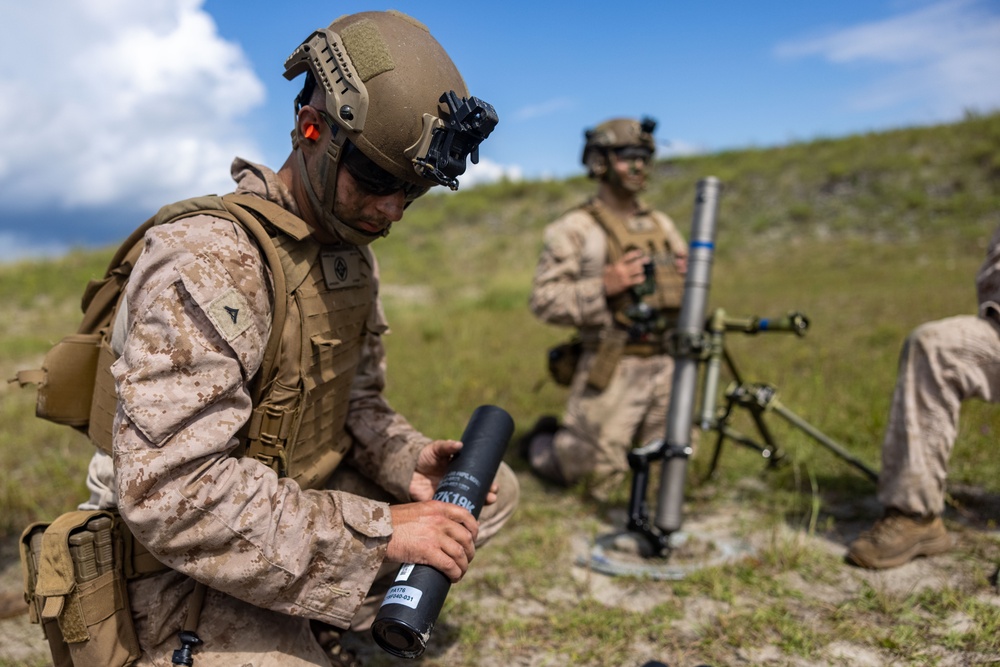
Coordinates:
[690,333]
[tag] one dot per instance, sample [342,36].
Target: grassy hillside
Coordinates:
[896,187]
[868,236]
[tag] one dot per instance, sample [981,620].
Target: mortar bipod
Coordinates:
[757,398]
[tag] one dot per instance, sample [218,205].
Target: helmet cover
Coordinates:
[396,93]
[615,134]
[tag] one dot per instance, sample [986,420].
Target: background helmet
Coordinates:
[614,134]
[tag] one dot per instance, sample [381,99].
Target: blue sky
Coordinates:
[111,108]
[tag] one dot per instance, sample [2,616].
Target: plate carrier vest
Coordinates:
[323,298]
[669,284]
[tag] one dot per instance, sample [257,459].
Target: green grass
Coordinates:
[868,236]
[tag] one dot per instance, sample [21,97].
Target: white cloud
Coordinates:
[108,102]
[487,171]
[944,56]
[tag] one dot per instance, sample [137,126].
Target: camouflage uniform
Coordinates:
[599,427]
[942,364]
[272,554]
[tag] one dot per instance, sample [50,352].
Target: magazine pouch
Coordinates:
[75,586]
[563,360]
[609,352]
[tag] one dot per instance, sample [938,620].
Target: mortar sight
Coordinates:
[794,322]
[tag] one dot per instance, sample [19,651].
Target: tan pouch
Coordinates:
[563,360]
[31,552]
[669,287]
[79,585]
[609,353]
[66,389]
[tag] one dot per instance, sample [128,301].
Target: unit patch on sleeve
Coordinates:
[230,313]
[341,268]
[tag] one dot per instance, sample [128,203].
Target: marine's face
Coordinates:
[365,201]
[628,168]
[357,207]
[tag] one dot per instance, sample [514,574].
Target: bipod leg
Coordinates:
[770,451]
[746,441]
[757,399]
[719,426]
[720,429]
[823,439]
[742,396]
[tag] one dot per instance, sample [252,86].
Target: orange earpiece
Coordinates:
[311,132]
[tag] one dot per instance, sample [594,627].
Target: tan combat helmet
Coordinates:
[612,135]
[392,93]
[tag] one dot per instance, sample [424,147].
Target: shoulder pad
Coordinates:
[208,204]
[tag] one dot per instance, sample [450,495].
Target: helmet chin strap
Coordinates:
[324,213]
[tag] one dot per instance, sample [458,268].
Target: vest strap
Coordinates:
[267,436]
[280,307]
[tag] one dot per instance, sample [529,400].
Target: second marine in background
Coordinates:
[613,269]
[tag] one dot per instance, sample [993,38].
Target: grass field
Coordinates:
[868,236]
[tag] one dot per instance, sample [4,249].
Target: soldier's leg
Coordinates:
[538,446]
[659,375]
[232,632]
[654,424]
[600,427]
[942,364]
[494,516]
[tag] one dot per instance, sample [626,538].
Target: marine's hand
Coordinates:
[433,533]
[625,273]
[681,264]
[432,464]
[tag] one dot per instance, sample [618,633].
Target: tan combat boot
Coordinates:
[538,450]
[897,538]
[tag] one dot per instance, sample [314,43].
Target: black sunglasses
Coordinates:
[375,180]
[630,153]
[372,178]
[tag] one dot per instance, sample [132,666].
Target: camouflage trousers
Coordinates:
[941,364]
[239,634]
[600,427]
